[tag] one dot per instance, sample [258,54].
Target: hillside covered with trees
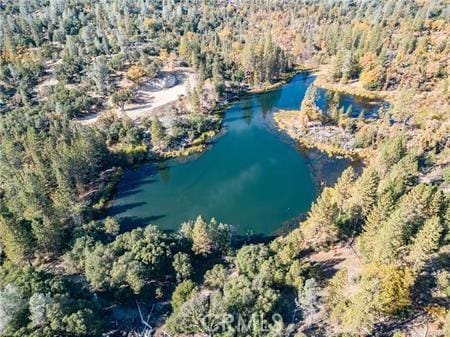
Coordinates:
[371,258]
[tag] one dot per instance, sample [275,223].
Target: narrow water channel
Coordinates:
[252,177]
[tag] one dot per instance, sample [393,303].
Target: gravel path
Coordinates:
[147,100]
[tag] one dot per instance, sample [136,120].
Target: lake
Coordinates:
[252,177]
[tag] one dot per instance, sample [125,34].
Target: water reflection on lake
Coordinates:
[252,177]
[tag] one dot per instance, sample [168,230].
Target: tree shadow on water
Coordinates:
[129,223]
[235,119]
[127,189]
[128,192]
[251,239]
[118,209]
[133,180]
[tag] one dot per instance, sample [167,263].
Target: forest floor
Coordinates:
[418,324]
[148,100]
[338,258]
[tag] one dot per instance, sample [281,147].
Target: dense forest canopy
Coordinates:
[65,268]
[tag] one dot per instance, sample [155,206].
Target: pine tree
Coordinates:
[111,226]
[344,184]
[40,306]
[183,292]
[364,194]
[202,243]
[269,59]
[393,291]
[15,238]
[157,132]
[425,242]
[389,153]
[337,66]
[195,102]
[348,67]
[336,288]
[374,221]
[400,177]
[12,304]
[217,78]
[394,235]
[308,299]
[182,265]
[100,75]
[358,315]
[320,228]
[388,242]
[121,97]
[298,46]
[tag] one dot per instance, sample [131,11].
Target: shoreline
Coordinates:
[199,144]
[284,119]
[205,140]
[283,124]
[351,88]
[202,142]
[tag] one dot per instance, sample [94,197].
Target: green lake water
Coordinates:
[252,177]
